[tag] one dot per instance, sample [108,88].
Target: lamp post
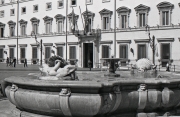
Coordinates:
[115,28]
[66,26]
[17,27]
[152,43]
[39,44]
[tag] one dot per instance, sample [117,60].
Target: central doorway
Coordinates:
[87,54]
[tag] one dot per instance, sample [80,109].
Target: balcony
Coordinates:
[93,33]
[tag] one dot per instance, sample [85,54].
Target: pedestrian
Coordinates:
[89,64]
[7,61]
[25,62]
[10,62]
[14,61]
[167,67]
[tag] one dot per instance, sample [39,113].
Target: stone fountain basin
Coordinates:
[93,94]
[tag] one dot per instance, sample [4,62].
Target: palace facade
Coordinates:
[115,27]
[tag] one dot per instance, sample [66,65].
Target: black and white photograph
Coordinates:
[89,58]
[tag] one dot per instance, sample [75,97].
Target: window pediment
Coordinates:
[142,8]
[34,19]
[141,40]
[2,25]
[70,15]
[123,9]
[11,23]
[47,18]
[105,11]
[89,13]
[59,17]
[166,5]
[22,22]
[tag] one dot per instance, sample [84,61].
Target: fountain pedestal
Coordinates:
[112,66]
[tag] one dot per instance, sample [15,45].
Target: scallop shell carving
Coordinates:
[144,64]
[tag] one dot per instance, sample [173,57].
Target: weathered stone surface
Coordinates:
[94,94]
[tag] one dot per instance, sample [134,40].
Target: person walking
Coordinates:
[7,61]
[14,61]
[25,62]
[167,67]
[10,62]
[89,64]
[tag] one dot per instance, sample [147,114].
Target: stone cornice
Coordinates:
[165,39]
[72,43]
[60,44]
[141,40]
[123,41]
[48,44]
[2,46]
[12,45]
[22,45]
[106,42]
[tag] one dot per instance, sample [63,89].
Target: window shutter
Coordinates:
[72,52]
[47,52]
[34,52]
[12,52]
[1,53]
[60,51]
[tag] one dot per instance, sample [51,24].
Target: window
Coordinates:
[165,11]
[47,53]
[35,8]
[34,52]
[142,20]
[23,25]
[105,0]
[123,51]
[60,23]
[105,51]
[48,6]
[2,2]
[12,12]
[1,53]
[60,26]
[141,51]
[73,2]
[71,25]
[165,18]
[12,31]
[89,24]
[105,23]
[11,52]
[60,51]
[48,24]
[35,28]
[72,52]
[22,53]
[2,27]
[23,30]
[123,21]
[142,12]
[123,13]
[106,19]
[1,13]
[23,10]
[11,28]
[48,28]
[89,1]
[60,4]
[35,24]
[1,32]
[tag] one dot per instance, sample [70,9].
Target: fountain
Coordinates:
[140,92]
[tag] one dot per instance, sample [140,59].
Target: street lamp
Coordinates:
[39,44]
[152,42]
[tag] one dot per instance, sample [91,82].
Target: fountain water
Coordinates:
[135,93]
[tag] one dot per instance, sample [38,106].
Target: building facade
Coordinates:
[114,27]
